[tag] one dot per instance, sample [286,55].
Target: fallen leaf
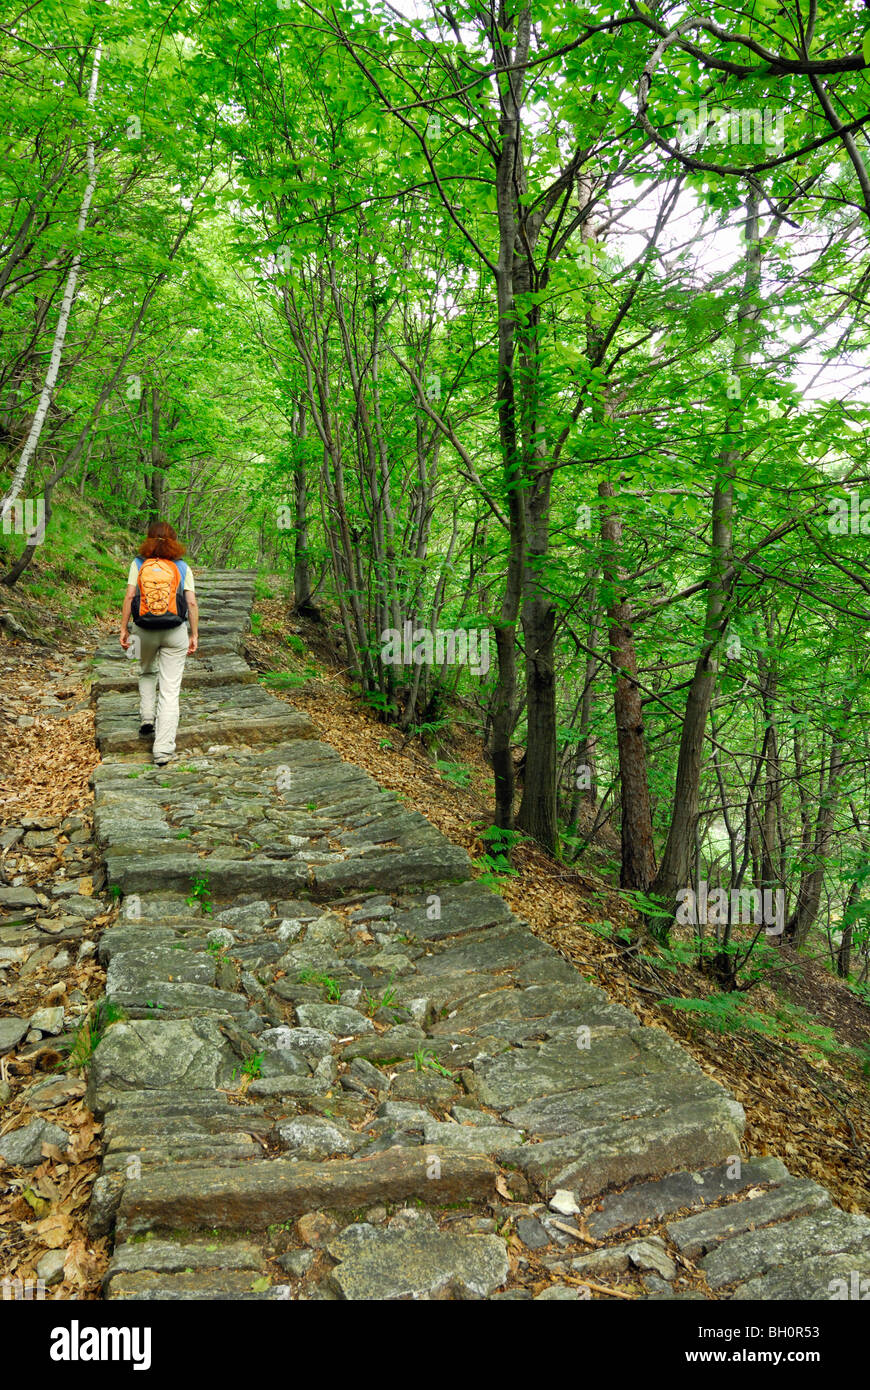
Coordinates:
[81,1264]
[40,1205]
[55,1230]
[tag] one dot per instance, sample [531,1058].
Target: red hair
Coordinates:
[161,543]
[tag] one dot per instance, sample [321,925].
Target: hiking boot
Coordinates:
[164,761]
[146,730]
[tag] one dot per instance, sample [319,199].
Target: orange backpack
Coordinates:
[159,599]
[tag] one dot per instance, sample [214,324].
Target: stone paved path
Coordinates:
[328,1085]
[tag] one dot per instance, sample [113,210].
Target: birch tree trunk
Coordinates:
[32,442]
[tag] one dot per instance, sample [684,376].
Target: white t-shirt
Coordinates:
[133,577]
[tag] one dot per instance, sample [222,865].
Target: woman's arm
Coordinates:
[125,637]
[193,620]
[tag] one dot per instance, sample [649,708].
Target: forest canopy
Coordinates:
[528,340]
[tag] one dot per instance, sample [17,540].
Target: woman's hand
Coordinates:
[125,638]
[192,645]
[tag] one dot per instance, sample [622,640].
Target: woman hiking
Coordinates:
[161,599]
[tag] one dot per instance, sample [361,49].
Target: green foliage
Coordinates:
[622,935]
[495,862]
[287,302]
[387,1001]
[200,894]
[331,988]
[91,1033]
[425,1060]
[251,1066]
[730,1013]
[456,773]
[283,680]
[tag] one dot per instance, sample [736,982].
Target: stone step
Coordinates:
[255,1195]
[560,1116]
[209,1286]
[129,1126]
[817,1278]
[697,1235]
[754,1253]
[172,1100]
[279,875]
[705,1131]
[175,1001]
[190,1055]
[240,713]
[167,1153]
[650,1201]
[162,1257]
[384,1265]
[113,673]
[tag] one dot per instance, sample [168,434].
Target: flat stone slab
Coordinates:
[497,1140]
[175,1257]
[189,1054]
[569,1112]
[310,1137]
[511,1013]
[650,1201]
[818,1279]
[754,1253]
[462,908]
[588,1163]
[696,1235]
[493,949]
[527,1073]
[385,1265]
[616,1259]
[206,1286]
[140,968]
[255,1195]
[334,1018]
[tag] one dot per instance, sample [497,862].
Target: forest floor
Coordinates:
[47,754]
[805,1092]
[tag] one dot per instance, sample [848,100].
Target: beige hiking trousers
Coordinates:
[162,654]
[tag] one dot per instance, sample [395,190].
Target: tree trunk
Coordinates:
[301,572]
[806,909]
[24,559]
[586,741]
[32,441]
[675,868]
[508,187]
[844,954]
[638,852]
[157,506]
